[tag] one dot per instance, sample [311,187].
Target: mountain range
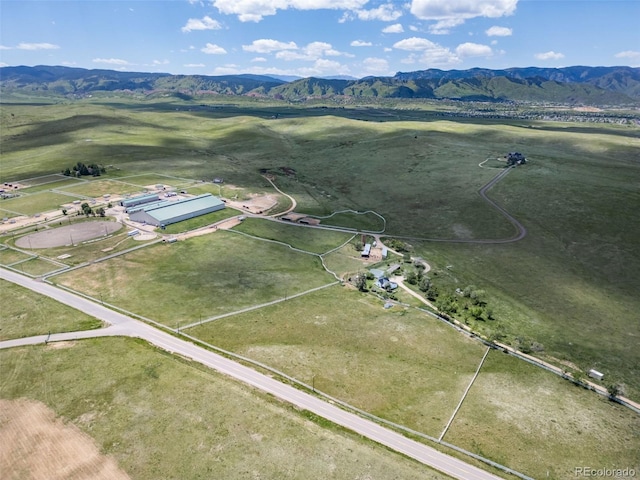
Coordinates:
[570,85]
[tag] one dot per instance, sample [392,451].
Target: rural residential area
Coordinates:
[297,274]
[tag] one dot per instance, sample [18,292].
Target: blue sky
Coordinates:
[318,37]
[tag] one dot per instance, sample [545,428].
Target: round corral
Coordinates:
[68,234]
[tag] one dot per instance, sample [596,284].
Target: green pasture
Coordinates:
[304,238]
[97,188]
[198,222]
[358,221]
[61,184]
[25,313]
[145,180]
[399,364]
[37,266]
[344,261]
[204,276]
[538,424]
[160,417]
[43,180]
[36,203]
[573,281]
[9,256]
[8,214]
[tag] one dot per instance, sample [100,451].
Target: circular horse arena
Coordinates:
[68,235]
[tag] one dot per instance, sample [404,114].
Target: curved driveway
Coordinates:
[124,325]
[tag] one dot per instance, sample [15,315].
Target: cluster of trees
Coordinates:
[80,169]
[86,210]
[467,303]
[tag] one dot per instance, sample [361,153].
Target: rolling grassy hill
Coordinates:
[571,85]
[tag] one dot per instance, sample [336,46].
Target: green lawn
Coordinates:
[161,417]
[203,276]
[25,313]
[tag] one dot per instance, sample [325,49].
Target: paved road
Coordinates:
[124,325]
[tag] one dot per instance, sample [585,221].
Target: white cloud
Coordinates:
[395,28]
[319,49]
[432,54]
[111,61]
[323,67]
[229,69]
[255,10]
[551,55]
[37,46]
[628,54]
[267,45]
[213,49]
[374,65]
[313,51]
[2,64]
[259,59]
[206,23]
[443,27]
[413,28]
[2,47]
[414,44]
[194,65]
[450,13]
[360,43]
[385,13]
[469,49]
[499,32]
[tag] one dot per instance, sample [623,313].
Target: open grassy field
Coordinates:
[25,313]
[197,222]
[198,278]
[147,179]
[398,364]
[61,182]
[38,266]
[9,256]
[307,239]
[537,423]
[162,418]
[36,203]
[97,188]
[569,284]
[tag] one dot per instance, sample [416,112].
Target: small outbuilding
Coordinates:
[596,374]
[366,251]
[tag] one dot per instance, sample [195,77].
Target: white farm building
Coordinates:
[166,213]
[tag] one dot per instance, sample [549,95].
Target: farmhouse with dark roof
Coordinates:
[515,158]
